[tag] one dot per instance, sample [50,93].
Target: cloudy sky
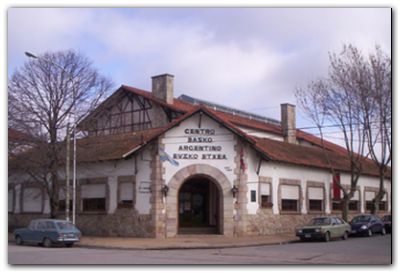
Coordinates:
[249,58]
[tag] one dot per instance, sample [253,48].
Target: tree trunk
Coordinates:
[381,192]
[345,208]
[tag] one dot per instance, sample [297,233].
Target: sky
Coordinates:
[252,59]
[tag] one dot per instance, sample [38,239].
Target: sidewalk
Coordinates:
[184,242]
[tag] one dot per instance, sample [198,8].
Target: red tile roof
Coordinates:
[115,146]
[310,156]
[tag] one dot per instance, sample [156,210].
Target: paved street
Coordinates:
[375,250]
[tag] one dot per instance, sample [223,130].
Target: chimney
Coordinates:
[162,87]
[288,122]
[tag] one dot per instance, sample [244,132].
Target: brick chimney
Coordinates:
[162,87]
[288,122]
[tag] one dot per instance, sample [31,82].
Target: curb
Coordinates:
[184,247]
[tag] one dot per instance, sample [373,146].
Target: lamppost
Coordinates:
[67,197]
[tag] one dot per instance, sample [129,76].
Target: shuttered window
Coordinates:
[265,195]
[32,199]
[93,197]
[315,198]
[290,198]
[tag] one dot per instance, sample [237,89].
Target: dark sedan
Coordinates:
[387,221]
[366,225]
[47,232]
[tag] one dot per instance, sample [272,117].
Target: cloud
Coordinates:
[246,58]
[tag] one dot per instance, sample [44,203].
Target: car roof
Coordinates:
[51,220]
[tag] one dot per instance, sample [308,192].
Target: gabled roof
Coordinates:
[121,146]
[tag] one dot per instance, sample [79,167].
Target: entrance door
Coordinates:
[198,206]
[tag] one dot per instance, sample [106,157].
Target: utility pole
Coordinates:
[67,193]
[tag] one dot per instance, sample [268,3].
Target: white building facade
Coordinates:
[155,166]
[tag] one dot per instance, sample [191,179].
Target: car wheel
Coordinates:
[383,231]
[18,240]
[47,242]
[69,244]
[369,233]
[327,236]
[345,236]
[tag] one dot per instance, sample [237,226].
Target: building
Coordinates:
[155,166]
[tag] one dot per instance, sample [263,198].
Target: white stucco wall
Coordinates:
[277,171]
[177,137]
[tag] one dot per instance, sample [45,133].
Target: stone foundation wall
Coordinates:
[124,222]
[267,223]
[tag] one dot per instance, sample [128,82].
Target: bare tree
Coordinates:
[337,100]
[373,76]
[42,95]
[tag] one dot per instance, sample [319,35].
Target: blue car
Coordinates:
[366,225]
[47,232]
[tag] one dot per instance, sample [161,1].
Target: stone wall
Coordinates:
[124,222]
[267,223]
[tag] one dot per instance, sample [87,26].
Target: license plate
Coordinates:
[308,236]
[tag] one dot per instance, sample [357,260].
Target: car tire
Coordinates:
[327,237]
[369,232]
[18,240]
[383,231]
[345,236]
[47,242]
[69,244]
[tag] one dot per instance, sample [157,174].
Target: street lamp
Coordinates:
[31,55]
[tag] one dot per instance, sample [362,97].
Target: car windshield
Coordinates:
[387,218]
[361,219]
[320,221]
[65,225]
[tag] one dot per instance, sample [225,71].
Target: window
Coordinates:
[32,199]
[289,205]
[382,205]
[353,205]
[253,194]
[336,205]
[50,225]
[315,205]
[369,196]
[94,204]
[290,196]
[315,198]
[265,195]
[369,205]
[126,192]
[93,197]
[266,201]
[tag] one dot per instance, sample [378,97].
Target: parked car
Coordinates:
[387,222]
[324,228]
[367,224]
[47,232]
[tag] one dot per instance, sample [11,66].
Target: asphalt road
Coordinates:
[374,250]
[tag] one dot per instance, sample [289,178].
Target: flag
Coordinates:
[336,186]
[166,157]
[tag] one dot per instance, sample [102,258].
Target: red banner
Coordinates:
[336,187]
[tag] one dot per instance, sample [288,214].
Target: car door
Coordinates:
[40,231]
[341,226]
[336,227]
[32,233]
[375,227]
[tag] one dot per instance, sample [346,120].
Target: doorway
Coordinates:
[198,206]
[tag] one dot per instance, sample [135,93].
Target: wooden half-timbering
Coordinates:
[129,113]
